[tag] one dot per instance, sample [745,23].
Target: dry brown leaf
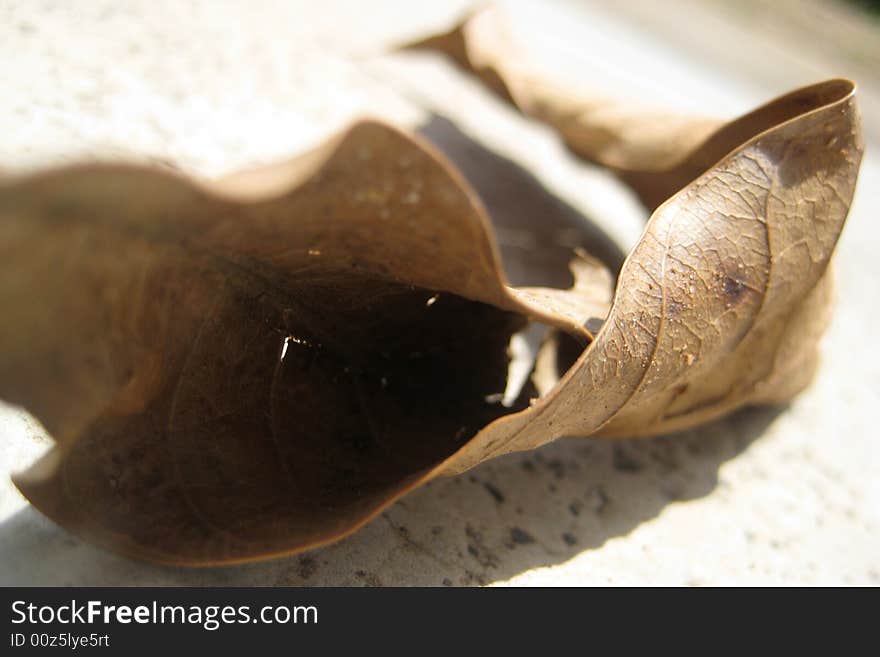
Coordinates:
[260,366]
[655,151]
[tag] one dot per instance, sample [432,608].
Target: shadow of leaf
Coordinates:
[537,231]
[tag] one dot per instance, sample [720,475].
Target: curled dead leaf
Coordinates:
[655,151]
[259,366]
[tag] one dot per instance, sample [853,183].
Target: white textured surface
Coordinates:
[770,496]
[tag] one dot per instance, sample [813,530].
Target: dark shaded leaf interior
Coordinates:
[293,413]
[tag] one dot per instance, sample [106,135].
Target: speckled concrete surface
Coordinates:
[772,496]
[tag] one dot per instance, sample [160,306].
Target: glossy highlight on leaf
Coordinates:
[260,365]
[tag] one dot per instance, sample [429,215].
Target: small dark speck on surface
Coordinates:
[494,492]
[733,289]
[307,567]
[556,466]
[623,462]
[447,581]
[569,539]
[370,579]
[521,537]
